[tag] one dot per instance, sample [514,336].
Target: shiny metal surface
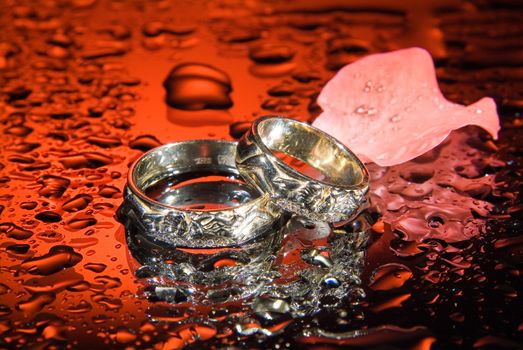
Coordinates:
[167,223]
[337,196]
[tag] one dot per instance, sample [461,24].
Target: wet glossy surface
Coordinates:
[83,88]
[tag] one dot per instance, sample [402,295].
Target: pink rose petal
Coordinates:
[388,107]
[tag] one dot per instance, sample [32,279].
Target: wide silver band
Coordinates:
[337,197]
[172,221]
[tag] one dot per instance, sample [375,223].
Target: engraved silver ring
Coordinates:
[189,194]
[336,192]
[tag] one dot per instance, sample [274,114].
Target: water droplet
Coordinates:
[316,257]
[365,110]
[58,258]
[305,77]
[109,192]
[144,143]
[14,231]
[4,289]
[95,267]
[18,130]
[77,203]
[331,282]
[281,90]
[236,130]
[5,310]
[36,302]
[108,281]
[390,276]
[82,307]
[269,53]
[156,28]
[270,308]
[196,86]
[86,160]
[48,216]
[80,222]
[104,142]
[240,35]
[124,335]
[18,248]
[395,118]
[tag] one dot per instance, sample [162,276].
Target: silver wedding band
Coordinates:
[158,212]
[172,219]
[337,196]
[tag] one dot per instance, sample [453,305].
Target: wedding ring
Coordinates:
[336,195]
[189,194]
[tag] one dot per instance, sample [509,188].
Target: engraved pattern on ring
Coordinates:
[195,228]
[297,194]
